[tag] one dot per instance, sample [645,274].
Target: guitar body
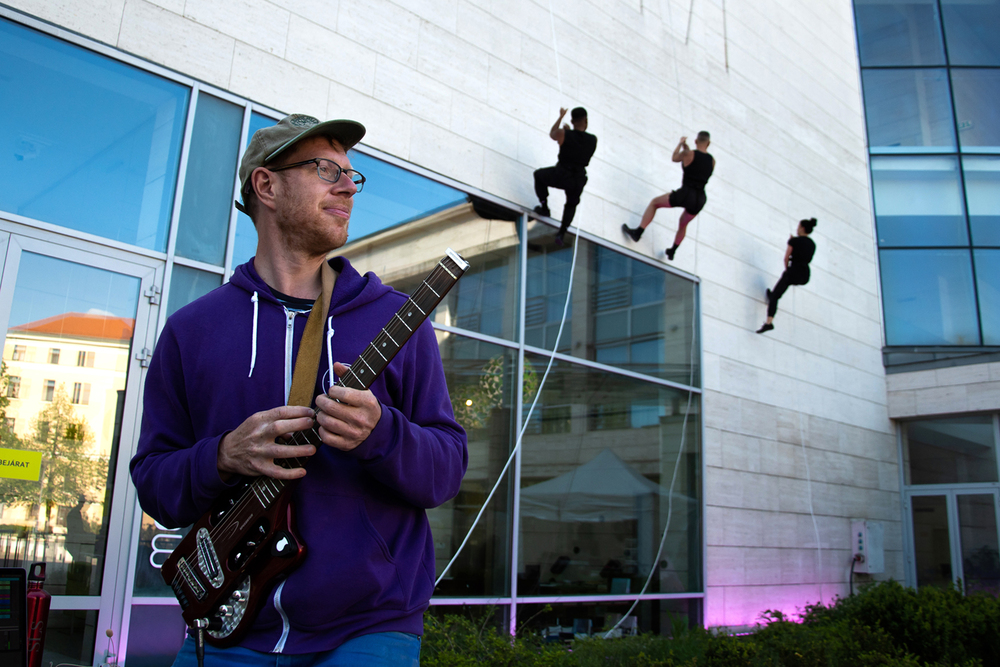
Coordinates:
[226,566]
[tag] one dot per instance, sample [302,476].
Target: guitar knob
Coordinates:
[224,610]
[237,596]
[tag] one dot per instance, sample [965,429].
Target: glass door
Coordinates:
[69,388]
[955,538]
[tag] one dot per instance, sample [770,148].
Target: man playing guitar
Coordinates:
[215,413]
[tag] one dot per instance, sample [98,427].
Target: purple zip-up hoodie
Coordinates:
[370,560]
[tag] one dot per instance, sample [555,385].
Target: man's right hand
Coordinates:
[251,448]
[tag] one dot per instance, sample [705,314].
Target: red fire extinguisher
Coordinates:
[38,614]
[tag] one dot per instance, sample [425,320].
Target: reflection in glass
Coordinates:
[624,312]
[563,622]
[393,196]
[208,186]
[155,544]
[908,110]
[977,530]
[598,458]
[245,245]
[949,451]
[970,28]
[187,284]
[982,191]
[898,32]
[931,546]
[61,516]
[95,142]
[977,107]
[988,285]
[485,299]
[928,297]
[481,383]
[70,637]
[918,201]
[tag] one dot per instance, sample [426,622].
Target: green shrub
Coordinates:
[884,625]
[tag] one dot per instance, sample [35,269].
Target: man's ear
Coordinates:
[263,183]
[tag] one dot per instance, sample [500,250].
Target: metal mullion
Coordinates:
[704,458]
[199,265]
[572,599]
[178,199]
[954,538]
[475,335]
[996,443]
[234,215]
[454,602]
[515,537]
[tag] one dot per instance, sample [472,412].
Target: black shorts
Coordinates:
[689,199]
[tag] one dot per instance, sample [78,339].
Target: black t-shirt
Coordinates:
[803,250]
[576,149]
[697,173]
[293,303]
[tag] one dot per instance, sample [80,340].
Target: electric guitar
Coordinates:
[225,567]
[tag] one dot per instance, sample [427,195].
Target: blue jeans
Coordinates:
[380,649]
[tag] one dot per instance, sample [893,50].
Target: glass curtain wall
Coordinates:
[930,73]
[590,455]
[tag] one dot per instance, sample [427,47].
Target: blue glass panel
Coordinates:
[624,312]
[977,107]
[918,201]
[393,196]
[899,32]
[928,297]
[208,186]
[982,191]
[908,111]
[970,28]
[988,284]
[95,143]
[187,284]
[245,245]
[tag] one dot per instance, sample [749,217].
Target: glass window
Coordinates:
[977,107]
[624,312]
[481,381]
[988,284]
[949,451]
[970,28]
[245,245]
[85,359]
[187,284]
[95,142]
[977,529]
[931,541]
[48,390]
[928,297]
[53,355]
[918,201]
[908,110]
[208,187]
[899,32]
[13,386]
[596,490]
[566,621]
[18,354]
[982,191]
[485,299]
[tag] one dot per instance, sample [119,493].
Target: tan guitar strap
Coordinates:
[311,346]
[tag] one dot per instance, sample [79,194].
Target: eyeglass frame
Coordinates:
[318,161]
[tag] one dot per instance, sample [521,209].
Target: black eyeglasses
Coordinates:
[328,170]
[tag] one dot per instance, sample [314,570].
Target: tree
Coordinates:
[70,467]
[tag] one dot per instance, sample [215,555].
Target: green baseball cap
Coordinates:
[270,142]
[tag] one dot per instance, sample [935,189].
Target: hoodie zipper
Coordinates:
[289,340]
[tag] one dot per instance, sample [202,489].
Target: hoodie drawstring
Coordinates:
[253,340]
[329,347]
